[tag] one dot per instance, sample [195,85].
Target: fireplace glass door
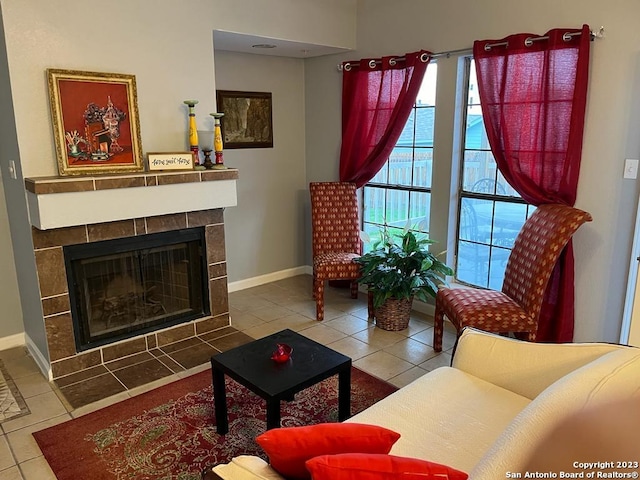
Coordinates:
[126,287]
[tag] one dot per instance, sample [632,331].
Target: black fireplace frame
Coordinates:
[72,253]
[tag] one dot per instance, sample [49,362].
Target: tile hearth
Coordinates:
[127,373]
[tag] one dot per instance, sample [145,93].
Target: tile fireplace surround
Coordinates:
[70,210]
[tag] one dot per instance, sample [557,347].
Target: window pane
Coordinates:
[422,167]
[395,232]
[427,92]
[508,189]
[382,175]
[485,185]
[406,137]
[497,265]
[420,207]
[476,135]
[468,227]
[473,261]
[424,126]
[400,163]
[509,218]
[374,201]
[478,166]
[397,208]
[481,216]
[374,232]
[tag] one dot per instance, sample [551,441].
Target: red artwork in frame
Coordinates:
[95,122]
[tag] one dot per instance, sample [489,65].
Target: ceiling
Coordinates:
[240,42]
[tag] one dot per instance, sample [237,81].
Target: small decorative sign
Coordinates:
[170,161]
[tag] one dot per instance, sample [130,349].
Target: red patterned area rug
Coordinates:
[169,433]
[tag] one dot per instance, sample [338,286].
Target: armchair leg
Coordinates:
[318,294]
[313,286]
[438,328]
[354,289]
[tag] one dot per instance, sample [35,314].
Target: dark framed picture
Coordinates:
[247,120]
[95,122]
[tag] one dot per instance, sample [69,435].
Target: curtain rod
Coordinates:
[528,42]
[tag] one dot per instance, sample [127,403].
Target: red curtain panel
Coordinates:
[533,94]
[377,97]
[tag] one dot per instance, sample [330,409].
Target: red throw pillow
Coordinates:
[289,448]
[359,466]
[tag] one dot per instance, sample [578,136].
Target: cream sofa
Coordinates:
[486,412]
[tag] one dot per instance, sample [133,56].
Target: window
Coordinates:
[400,193]
[490,212]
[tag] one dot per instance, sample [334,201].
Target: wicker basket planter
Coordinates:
[394,314]
[399,267]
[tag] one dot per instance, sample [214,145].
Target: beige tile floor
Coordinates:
[397,357]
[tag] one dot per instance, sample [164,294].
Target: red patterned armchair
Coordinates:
[335,237]
[517,307]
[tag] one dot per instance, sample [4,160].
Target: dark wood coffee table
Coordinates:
[251,365]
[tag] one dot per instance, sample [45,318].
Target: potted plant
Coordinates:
[399,268]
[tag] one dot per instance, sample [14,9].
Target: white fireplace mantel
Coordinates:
[57,202]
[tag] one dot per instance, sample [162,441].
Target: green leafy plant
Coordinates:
[401,269]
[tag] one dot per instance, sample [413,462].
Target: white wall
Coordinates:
[602,248]
[263,232]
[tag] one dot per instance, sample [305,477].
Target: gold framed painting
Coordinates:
[95,122]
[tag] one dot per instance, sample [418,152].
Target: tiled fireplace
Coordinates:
[142,308]
[125,287]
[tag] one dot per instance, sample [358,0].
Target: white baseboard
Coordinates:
[12,341]
[426,308]
[41,361]
[269,277]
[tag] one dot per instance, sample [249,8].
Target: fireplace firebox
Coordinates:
[129,286]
